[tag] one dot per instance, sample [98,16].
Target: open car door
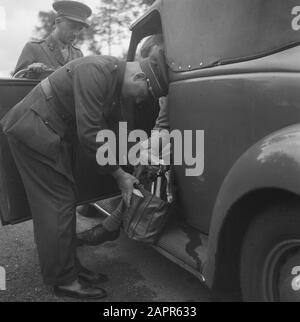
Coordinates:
[13,201]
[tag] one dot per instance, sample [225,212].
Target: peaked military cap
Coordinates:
[73,10]
[156,71]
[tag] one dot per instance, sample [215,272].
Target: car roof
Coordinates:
[203,33]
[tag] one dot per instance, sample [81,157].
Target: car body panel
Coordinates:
[221,31]
[235,111]
[272,163]
[13,91]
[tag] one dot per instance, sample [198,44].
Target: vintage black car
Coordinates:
[234,70]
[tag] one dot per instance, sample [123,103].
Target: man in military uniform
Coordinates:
[109,229]
[74,103]
[45,56]
[42,57]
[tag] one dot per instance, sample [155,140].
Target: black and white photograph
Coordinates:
[149,153]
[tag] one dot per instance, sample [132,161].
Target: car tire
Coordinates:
[270,256]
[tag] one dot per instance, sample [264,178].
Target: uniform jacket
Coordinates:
[45,51]
[86,100]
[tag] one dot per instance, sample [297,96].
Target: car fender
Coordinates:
[272,163]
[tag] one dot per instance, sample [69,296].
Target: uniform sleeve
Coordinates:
[91,84]
[26,58]
[162,122]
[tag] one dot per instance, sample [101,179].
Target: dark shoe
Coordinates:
[97,236]
[85,293]
[89,277]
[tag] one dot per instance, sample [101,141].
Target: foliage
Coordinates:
[46,19]
[148,2]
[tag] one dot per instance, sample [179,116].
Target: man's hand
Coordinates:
[126,184]
[38,68]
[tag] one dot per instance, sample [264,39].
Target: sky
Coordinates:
[18,19]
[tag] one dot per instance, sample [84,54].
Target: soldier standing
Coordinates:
[42,57]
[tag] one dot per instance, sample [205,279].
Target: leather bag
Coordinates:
[145,219]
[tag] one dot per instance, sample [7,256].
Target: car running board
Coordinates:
[179,242]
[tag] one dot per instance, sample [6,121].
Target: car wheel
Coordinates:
[270,257]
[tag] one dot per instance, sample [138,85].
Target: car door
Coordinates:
[13,201]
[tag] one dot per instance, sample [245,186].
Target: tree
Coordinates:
[109,24]
[47,19]
[113,18]
[148,2]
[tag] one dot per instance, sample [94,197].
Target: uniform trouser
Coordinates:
[52,202]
